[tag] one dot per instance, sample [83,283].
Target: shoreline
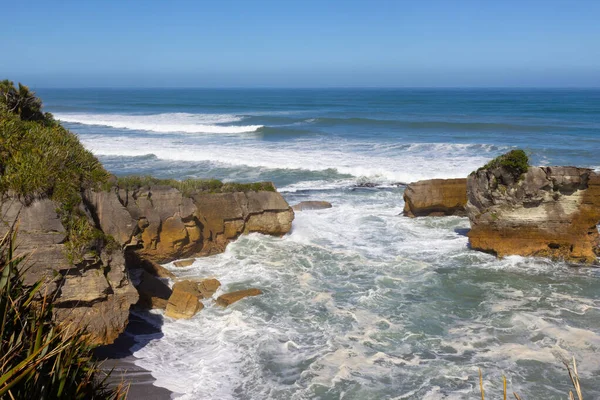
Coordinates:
[119,359]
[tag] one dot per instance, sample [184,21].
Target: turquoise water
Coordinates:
[360,302]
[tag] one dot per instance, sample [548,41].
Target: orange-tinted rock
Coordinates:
[230,298]
[208,287]
[183,304]
[549,212]
[435,197]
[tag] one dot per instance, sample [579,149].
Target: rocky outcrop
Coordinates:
[229,298]
[547,211]
[150,225]
[163,224]
[311,205]
[435,197]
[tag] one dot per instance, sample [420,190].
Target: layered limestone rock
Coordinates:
[547,211]
[94,292]
[435,197]
[150,225]
[163,224]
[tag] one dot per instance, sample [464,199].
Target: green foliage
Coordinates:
[38,358]
[22,102]
[39,160]
[190,186]
[516,161]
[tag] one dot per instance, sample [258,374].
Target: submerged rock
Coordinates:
[230,298]
[546,211]
[311,205]
[435,197]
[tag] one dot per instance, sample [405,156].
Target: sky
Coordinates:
[306,43]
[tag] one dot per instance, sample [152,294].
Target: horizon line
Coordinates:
[325,87]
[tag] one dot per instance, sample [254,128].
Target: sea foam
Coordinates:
[163,123]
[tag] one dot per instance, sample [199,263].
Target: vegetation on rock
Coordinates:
[190,186]
[515,161]
[40,359]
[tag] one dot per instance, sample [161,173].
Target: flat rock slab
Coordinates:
[230,298]
[311,205]
[183,305]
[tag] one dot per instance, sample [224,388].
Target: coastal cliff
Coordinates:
[133,226]
[538,211]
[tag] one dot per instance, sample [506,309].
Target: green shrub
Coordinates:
[40,359]
[515,161]
[191,186]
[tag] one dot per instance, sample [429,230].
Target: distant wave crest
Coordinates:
[164,123]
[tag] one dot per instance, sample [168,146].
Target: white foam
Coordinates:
[393,163]
[163,123]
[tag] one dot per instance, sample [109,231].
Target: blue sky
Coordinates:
[289,43]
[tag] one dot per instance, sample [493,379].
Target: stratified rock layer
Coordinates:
[163,224]
[435,197]
[549,212]
[151,225]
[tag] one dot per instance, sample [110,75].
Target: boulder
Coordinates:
[230,298]
[546,211]
[208,287]
[311,205]
[435,197]
[184,302]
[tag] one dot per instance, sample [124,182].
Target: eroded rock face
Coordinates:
[163,224]
[548,212]
[435,197]
[151,225]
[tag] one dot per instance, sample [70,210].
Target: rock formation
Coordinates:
[311,205]
[546,211]
[163,224]
[229,298]
[435,197]
[149,225]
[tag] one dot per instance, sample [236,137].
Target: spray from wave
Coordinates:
[164,123]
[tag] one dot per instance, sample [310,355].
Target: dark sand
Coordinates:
[119,356]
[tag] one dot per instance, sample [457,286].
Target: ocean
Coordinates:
[360,302]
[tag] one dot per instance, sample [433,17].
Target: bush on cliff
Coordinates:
[22,102]
[515,161]
[190,186]
[38,358]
